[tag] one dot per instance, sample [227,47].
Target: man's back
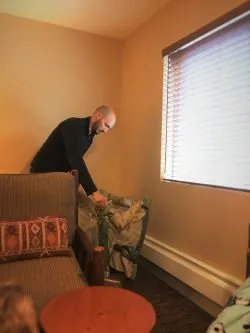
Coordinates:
[53,155]
[49,155]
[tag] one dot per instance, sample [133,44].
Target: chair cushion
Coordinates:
[25,196]
[41,237]
[44,278]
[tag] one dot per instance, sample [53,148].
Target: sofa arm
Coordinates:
[90,258]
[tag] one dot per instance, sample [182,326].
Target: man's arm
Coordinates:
[71,144]
[85,178]
[76,161]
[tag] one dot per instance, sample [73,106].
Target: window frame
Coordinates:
[190,39]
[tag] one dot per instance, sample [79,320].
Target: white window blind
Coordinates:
[206,109]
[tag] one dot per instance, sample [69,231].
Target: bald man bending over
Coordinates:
[64,149]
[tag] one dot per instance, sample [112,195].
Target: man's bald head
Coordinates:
[103,119]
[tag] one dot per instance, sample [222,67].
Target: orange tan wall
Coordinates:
[49,73]
[208,224]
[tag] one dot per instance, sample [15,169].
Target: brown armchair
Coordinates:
[25,196]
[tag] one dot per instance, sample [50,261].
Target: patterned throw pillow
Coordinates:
[41,237]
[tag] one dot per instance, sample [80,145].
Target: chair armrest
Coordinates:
[90,258]
[248,263]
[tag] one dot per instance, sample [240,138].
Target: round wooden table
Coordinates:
[98,310]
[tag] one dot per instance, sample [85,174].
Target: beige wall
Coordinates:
[47,74]
[209,224]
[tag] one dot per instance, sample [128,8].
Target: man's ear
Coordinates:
[98,115]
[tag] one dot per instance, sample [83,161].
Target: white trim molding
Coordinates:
[210,282]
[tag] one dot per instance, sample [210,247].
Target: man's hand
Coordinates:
[99,199]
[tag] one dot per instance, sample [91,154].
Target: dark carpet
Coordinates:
[174,312]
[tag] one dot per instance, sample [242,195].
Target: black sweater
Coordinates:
[64,149]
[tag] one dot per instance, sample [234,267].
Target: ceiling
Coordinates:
[110,18]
